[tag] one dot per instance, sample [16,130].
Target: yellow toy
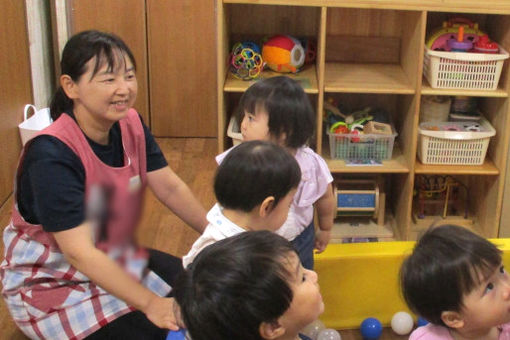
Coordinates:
[437,41]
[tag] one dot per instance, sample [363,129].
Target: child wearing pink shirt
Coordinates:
[278,110]
[456,280]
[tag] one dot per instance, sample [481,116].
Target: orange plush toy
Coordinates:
[283,53]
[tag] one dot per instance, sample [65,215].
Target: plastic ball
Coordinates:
[329,334]
[176,335]
[313,329]
[402,323]
[245,60]
[371,329]
[421,322]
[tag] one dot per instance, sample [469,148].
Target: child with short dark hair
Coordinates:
[277,109]
[251,286]
[455,279]
[254,187]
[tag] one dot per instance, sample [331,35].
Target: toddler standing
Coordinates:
[278,110]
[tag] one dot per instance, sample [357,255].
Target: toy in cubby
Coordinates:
[360,210]
[439,38]
[441,196]
[283,53]
[362,137]
[246,61]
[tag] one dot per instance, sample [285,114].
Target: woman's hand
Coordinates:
[160,311]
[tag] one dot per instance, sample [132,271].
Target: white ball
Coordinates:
[313,329]
[402,323]
[329,334]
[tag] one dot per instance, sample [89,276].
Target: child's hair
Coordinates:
[253,171]
[78,50]
[234,285]
[287,105]
[446,264]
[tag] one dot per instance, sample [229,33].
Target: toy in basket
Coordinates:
[375,143]
[452,143]
[438,39]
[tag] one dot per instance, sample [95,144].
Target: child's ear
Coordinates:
[271,330]
[452,319]
[266,206]
[68,86]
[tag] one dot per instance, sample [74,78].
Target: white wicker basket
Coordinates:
[454,147]
[460,70]
[234,131]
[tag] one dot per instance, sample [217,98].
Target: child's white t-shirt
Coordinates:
[219,228]
[315,178]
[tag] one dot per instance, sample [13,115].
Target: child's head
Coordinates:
[277,109]
[258,175]
[249,286]
[90,53]
[455,278]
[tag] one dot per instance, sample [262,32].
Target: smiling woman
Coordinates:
[72,268]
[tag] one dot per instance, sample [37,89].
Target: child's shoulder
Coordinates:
[431,332]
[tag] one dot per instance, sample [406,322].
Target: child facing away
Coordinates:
[251,286]
[278,110]
[254,187]
[455,279]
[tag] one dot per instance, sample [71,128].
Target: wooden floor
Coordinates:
[193,160]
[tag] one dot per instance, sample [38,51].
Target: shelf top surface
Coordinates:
[397,164]
[366,78]
[307,77]
[426,89]
[459,6]
[487,168]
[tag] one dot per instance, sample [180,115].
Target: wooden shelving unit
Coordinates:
[371,53]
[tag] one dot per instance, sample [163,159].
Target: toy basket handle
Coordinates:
[460,20]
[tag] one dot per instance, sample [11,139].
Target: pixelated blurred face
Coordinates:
[278,215]
[488,305]
[255,126]
[108,94]
[307,304]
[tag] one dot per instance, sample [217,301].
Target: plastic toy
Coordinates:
[485,45]
[402,323]
[371,329]
[421,322]
[176,335]
[459,44]
[313,329]
[283,53]
[245,60]
[329,334]
[438,40]
[361,197]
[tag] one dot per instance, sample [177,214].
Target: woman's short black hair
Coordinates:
[234,285]
[253,171]
[445,265]
[81,48]
[287,105]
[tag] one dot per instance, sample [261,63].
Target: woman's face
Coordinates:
[108,94]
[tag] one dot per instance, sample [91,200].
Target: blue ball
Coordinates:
[422,321]
[371,329]
[176,335]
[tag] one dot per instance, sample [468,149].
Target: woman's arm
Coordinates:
[325,208]
[77,246]
[177,196]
